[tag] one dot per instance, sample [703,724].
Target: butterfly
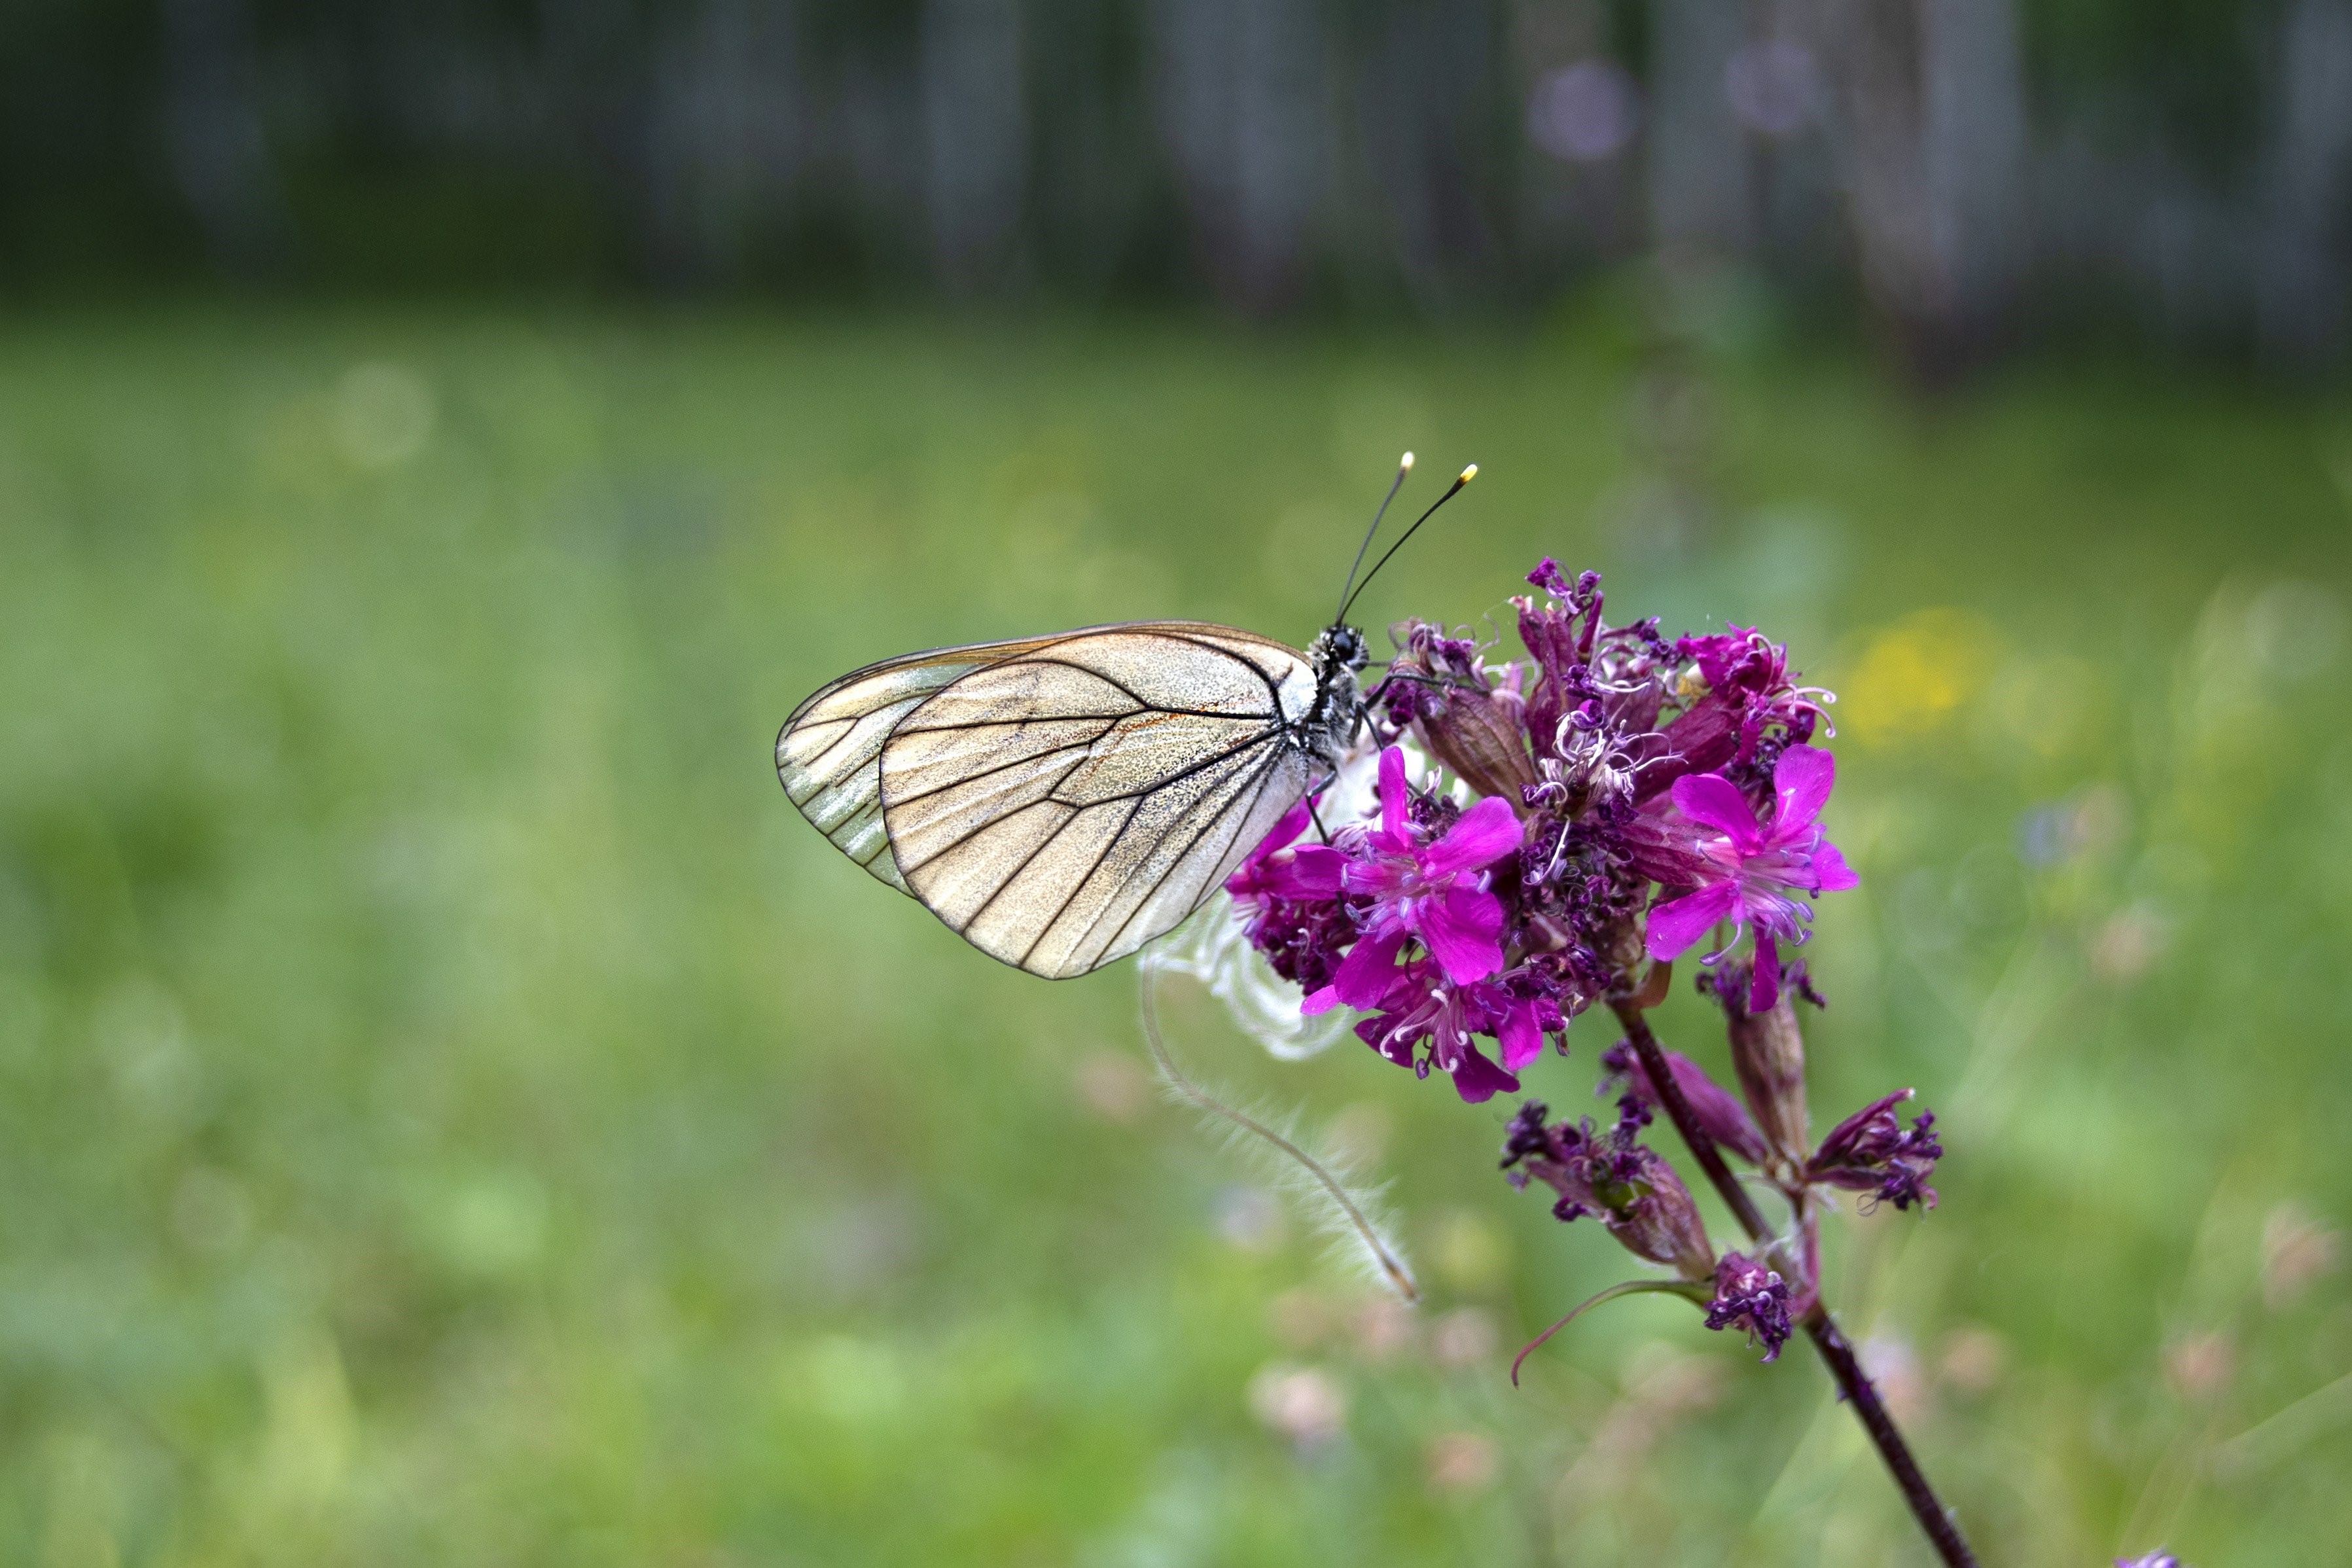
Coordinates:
[1060,801]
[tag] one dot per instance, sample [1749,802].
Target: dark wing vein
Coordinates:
[1027,860]
[1257,789]
[963,779]
[1142,703]
[1253,786]
[1186,771]
[987,822]
[1110,844]
[1269,733]
[1141,709]
[1273,692]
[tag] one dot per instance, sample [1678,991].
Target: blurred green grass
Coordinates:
[452,1109]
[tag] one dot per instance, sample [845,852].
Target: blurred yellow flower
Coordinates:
[1915,675]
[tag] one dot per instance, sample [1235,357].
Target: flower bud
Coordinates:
[1482,736]
[1654,1217]
[1612,1176]
[1462,717]
[1751,1297]
[1768,1052]
[1719,1115]
[1870,1152]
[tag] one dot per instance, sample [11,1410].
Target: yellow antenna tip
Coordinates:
[1468,474]
[1407,464]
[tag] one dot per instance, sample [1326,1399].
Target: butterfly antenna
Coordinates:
[1463,478]
[1404,466]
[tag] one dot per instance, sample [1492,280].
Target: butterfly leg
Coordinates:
[1380,688]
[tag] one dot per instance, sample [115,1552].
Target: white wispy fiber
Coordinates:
[1212,949]
[1317,1178]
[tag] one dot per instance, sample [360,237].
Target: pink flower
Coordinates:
[1756,877]
[1423,892]
[1423,1004]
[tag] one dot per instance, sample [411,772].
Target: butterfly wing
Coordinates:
[1060,805]
[829,752]
[1059,801]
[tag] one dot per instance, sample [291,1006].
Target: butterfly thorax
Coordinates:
[1329,726]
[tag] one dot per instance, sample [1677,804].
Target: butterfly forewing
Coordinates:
[1061,802]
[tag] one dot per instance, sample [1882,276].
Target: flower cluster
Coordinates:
[1553,832]
[1610,766]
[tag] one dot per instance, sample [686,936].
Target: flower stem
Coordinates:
[1828,1339]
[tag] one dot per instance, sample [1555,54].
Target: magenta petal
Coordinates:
[1294,823]
[1321,1001]
[1716,801]
[1365,975]
[1487,831]
[1674,925]
[1463,930]
[1520,1036]
[1477,1080]
[1384,1036]
[1800,785]
[1831,872]
[1394,821]
[1313,871]
[1764,987]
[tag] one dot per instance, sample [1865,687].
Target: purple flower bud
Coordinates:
[1467,721]
[1751,1297]
[1768,1052]
[2159,1558]
[1613,1176]
[1561,636]
[1719,1115]
[1870,1152]
[1749,709]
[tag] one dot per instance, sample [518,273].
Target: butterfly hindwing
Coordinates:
[829,752]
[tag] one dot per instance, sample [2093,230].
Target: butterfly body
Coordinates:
[1060,801]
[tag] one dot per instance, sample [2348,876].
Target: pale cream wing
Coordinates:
[1063,807]
[828,754]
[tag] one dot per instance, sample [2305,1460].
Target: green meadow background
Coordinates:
[452,1110]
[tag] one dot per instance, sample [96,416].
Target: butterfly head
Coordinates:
[1338,647]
